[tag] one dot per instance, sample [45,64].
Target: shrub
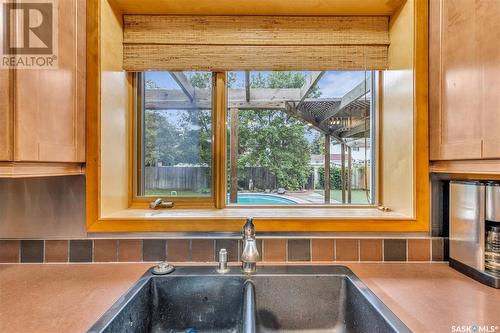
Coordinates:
[335,177]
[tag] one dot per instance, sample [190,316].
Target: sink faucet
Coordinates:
[250,254]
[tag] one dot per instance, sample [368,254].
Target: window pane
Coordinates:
[177,134]
[277,130]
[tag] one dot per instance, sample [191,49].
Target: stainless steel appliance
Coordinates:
[474,218]
[492,254]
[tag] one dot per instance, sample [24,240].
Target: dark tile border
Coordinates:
[80,250]
[32,251]
[300,250]
[395,250]
[154,249]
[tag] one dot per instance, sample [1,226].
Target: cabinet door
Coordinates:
[5,116]
[50,104]
[464,78]
[435,80]
[488,13]
[461,109]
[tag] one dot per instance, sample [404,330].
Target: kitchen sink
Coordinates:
[275,299]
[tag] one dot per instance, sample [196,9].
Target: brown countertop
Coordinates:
[71,297]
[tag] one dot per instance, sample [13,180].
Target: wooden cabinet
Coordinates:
[5,115]
[464,79]
[42,111]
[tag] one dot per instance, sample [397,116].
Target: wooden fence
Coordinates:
[177,178]
[198,178]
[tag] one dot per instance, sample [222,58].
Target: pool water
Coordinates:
[263,199]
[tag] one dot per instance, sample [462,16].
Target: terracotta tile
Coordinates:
[231,246]
[130,250]
[202,250]
[80,250]
[299,250]
[259,248]
[9,251]
[56,251]
[178,250]
[370,249]
[394,249]
[346,249]
[105,250]
[323,250]
[437,249]
[419,250]
[32,251]
[274,250]
[154,250]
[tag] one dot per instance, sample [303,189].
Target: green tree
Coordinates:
[270,139]
[274,140]
[195,137]
[318,144]
[335,177]
[159,134]
[196,126]
[200,79]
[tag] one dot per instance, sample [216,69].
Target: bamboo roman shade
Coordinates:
[220,43]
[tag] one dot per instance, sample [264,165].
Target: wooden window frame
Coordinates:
[142,202]
[218,193]
[218,218]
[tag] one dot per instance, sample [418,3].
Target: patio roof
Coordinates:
[342,118]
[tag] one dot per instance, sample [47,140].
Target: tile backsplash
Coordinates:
[301,250]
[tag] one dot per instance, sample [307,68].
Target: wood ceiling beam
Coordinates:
[206,105]
[354,131]
[307,87]
[270,94]
[184,84]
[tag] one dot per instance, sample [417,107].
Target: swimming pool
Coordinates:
[263,199]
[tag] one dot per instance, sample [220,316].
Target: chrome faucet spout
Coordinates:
[250,254]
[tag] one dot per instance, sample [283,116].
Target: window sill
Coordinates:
[313,213]
[266,220]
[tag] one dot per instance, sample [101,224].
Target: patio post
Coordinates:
[327,168]
[349,164]
[233,156]
[342,169]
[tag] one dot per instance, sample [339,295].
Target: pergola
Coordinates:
[345,119]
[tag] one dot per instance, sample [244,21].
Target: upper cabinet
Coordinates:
[42,111]
[464,79]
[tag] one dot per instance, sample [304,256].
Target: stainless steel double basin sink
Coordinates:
[276,299]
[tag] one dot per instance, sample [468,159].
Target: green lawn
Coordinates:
[357,196]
